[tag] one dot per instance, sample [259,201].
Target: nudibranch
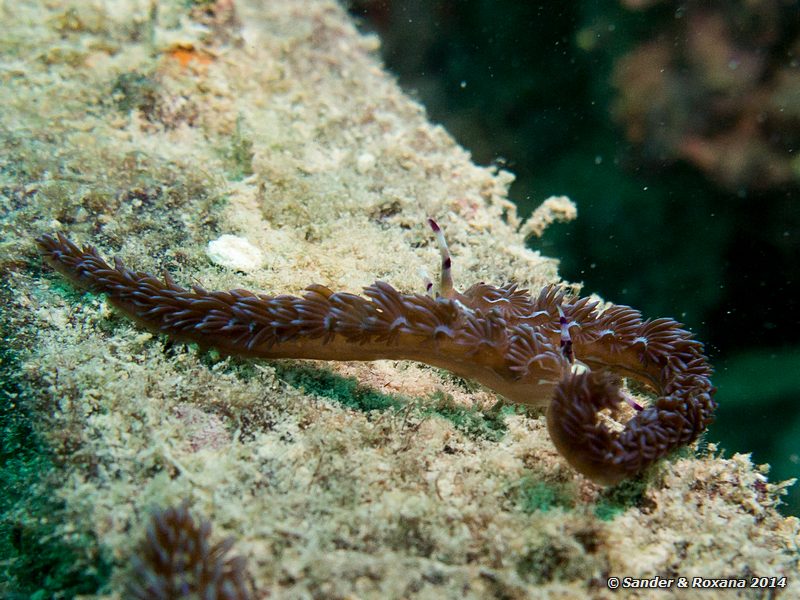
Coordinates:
[548,350]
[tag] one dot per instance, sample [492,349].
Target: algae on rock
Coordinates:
[152,129]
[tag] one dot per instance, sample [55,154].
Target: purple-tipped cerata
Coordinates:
[176,559]
[542,350]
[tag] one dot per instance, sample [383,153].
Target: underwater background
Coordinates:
[674,126]
[154,130]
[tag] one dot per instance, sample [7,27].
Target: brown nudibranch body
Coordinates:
[539,350]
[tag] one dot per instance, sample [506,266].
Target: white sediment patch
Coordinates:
[235,252]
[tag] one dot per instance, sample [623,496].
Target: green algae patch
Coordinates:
[534,495]
[619,498]
[347,391]
[470,420]
[40,559]
[135,91]
[343,390]
[239,153]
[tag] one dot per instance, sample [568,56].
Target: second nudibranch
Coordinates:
[546,350]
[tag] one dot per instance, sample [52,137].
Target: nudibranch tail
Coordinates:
[545,350]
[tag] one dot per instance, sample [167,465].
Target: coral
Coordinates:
[725,100]
[177,560]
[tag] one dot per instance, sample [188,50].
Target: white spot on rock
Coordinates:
[235,252]
[365,162]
